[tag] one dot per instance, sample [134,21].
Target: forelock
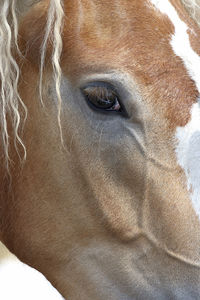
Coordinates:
[193,7]
[10,101]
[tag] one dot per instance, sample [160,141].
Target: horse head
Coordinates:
[106,203]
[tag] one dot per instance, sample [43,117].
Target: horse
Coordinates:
[100,124]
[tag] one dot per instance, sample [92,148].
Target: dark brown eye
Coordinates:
[102,98]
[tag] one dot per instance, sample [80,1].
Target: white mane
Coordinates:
[10,100]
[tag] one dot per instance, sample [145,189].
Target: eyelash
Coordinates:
[102,98]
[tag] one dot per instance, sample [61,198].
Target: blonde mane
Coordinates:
[10,100]
[193,7]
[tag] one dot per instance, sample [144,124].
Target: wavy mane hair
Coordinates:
[10,100]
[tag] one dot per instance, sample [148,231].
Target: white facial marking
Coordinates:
[188,153]
[188,149]
[180,40]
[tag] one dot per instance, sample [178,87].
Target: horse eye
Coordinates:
[102,98]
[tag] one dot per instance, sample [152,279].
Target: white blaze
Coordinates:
[188,149]
[188,153]
[180,40]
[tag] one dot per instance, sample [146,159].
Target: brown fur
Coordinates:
[106,191]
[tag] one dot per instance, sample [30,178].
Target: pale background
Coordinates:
[20,282]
